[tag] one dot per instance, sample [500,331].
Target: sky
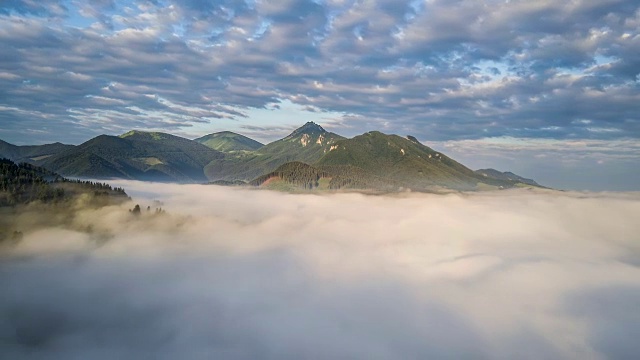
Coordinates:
[515,274]
[547,89]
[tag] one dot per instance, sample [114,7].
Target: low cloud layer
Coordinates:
[241,274]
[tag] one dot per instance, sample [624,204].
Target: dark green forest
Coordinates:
[24,183]
[297,173]
[308,177]
[42,197]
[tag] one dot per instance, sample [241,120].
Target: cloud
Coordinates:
[441,70]
[51,8]
[242,274]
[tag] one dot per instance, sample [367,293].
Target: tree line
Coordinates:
[23,183]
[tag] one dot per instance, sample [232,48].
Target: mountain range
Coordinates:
[308,158]
[135,155]
[31,153]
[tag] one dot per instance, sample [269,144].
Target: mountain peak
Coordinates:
[227,141]
[308,128]
[129,133]
[413,139]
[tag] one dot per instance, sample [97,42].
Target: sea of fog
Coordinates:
[246,274]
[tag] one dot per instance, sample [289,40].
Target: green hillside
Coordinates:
[227,141]
[135,155]
[31,153]
[379,162]
[307,144]
[402,160]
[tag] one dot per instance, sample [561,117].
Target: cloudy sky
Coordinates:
[548,89]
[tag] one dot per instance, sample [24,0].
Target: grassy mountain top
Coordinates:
[227,141]
[167,143]
[144,135]
[152,136]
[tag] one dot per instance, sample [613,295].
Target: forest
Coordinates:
[24,183]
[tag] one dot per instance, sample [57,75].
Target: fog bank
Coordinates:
[242,274]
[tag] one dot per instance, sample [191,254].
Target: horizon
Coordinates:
[525,175]
[546,90]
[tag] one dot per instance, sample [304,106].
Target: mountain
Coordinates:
[376,161]
[227,141]
[136,155]
[30,153]
[509,176]
[404,161]
[307,144]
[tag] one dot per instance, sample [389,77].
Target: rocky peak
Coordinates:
[310,128]
[413,139]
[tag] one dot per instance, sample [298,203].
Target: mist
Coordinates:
[248,274]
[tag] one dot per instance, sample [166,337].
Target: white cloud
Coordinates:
[611,149]
[241,274]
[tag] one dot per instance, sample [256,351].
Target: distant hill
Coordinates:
[135,155]
[307,144]
[31,153]
[227,141]
[495,174]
